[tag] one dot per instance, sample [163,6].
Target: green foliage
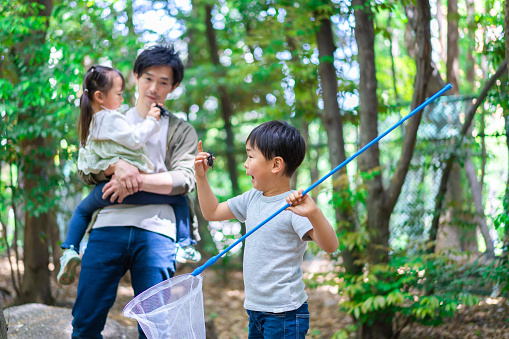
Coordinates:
[420,287]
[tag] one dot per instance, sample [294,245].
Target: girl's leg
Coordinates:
[82,216]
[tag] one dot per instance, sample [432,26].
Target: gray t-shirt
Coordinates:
[273,254]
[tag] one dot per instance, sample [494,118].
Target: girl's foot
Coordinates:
[68,263]
[187,254]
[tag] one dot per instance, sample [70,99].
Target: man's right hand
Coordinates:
[128,178]
[155,112]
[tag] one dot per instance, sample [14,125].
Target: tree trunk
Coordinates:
[314,173]
[470,71]
[435,82]
[333,124]
[422,79]
[36,166]
[442,30]
[225,102]
[391,53]
[369,163]
[36,279]
[480,218]
[453,46]
[453,233]
[380,203]
[226,111]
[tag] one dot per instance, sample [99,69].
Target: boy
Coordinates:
[275,297]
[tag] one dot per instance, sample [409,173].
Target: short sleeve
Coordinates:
[302,226]
[238,205]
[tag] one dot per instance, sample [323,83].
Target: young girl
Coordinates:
[106,137]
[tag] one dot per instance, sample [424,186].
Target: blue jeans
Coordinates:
[111,252]
[94,201]
[292,324]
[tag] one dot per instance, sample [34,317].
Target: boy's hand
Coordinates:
[155,112]
[200,162]
[302,205]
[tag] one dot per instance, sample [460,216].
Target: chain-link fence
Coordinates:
[439,130]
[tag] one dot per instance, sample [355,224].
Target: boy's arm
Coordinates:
[211,209]
[322,233]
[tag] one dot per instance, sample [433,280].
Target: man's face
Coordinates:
[154,85]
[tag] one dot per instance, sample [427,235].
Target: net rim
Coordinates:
[126,312]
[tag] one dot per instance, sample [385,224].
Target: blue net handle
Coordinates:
[212,260]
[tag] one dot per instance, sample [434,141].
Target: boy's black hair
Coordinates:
[160,56]
[279,139]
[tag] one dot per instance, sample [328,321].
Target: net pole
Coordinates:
[419,108]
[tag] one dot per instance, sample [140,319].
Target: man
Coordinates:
[140,239]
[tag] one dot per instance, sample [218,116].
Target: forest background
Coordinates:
[421,217]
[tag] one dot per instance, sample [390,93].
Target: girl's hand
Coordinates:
[200,162]
[155,112]
[302,205]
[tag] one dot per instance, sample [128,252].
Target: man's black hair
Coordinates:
[279,139]
[160,56]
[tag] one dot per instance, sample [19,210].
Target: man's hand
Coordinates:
[125,181]
[112,188]
[155,111]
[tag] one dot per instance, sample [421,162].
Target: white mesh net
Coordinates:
[170,309]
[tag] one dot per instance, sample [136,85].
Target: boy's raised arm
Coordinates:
[211,209]
[322,233]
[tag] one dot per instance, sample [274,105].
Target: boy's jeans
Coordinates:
[292,324]
[83,214]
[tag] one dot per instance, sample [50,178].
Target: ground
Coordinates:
[223,301]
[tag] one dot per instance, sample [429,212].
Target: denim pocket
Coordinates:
[302,325]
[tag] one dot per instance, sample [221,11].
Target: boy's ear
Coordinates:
[278,164]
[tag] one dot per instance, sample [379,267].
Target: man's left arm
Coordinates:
[180,178]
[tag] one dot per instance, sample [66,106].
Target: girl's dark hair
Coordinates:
[160,55]
[279,139]
[97,78]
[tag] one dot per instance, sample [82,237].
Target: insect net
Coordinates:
[170,309]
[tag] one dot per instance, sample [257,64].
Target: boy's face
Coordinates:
[154,85]
[258,167]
